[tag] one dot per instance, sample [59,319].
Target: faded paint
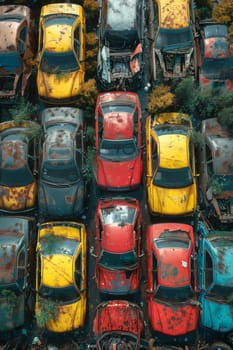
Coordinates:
[169,146]
[13,19]
[18,195]
[118,315]
[58,85]
[123,173]
[58,268]
[16,236]
[220,142]
[172,245]
[118,238]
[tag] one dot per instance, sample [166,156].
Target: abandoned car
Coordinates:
[16,51]
[61,184]
[118,324]
[18,164]
[61,275]
[17,256]
[216,69]
[170,165]
[215,275]
[174,44]
[121,44]
[173,309]
[216,172]
[118,251]
[118,141]
[61,53]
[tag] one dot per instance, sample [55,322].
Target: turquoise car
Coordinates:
[215,279]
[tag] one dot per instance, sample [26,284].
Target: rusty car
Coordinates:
[174,43]
[61,53]
[17,256]
[173,309]
[121,34]
[18,166]
[215,276]
[118,249]
[118,324]
[16,51]
[61,275]
[216,61]
[216,172]
[118,141]
[61,184]
[170,165]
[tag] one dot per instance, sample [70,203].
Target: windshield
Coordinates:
[60,173]
[178,294]
[118,215]
[59,294]
[118,261]
[173,178]
[121,40]
[9,61]
[13,164]
[53,62]
[118,150]
[119,107]
[215,30]
[219,69]
[220,292]
[174,38]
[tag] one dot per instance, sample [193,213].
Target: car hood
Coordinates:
[12,316]
[70,316]
[116,281]
[18,198]
[216,315]
[173,318]
[62,201]
[180,201]
[119,174]
[59,87]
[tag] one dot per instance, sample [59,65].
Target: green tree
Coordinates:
[88,95]
[23,110]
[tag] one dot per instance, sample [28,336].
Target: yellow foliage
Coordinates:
[91,39]
[223,13]
[91,5]
[88,94]
[160,99]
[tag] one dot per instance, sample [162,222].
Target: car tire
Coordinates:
[220,346]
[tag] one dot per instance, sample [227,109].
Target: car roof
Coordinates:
[174,14]
[118,126]
[173,151]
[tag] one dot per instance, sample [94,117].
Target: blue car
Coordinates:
[215,278]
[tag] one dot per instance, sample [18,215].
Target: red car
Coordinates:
[216,58]
[118,246]
[118,324]
[172,306]
[118,141]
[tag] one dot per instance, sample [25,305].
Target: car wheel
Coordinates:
[220,346]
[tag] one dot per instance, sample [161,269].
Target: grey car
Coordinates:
[61,184]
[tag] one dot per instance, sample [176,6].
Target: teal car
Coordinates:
[215,279]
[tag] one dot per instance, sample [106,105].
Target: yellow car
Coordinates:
[18,185]
[61,47]
[170,163]
[61,276]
